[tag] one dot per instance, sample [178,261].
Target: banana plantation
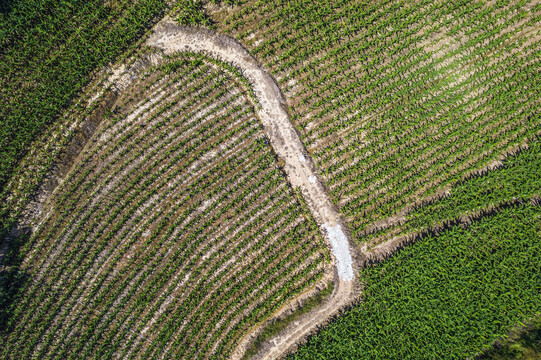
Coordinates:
[269,179]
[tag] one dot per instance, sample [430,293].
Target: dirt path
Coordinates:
[300,328]
[299,169]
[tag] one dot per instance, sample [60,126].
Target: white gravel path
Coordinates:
[273,114]
[340,250]
[299,168]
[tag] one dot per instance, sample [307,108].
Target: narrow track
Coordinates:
[272,111]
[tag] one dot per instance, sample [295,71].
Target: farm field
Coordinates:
[207,179]
[517,180]
[455,291]
[175,230]
[402,106]
[447,297]
[395,100]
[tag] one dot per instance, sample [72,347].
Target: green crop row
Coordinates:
[516,180]
[175,230]
[395,99]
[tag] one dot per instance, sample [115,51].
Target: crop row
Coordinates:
[50,50]
[516,180]
[397,99]
[175,231]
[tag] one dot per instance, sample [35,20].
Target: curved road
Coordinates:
[286,143]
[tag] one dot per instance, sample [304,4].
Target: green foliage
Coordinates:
[191,13]
[517,180]
[49,51]
[445,297]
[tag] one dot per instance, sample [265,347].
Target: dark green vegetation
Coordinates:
[446,297]
[175,231]
[191,13]
[450,296]
[49,51]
